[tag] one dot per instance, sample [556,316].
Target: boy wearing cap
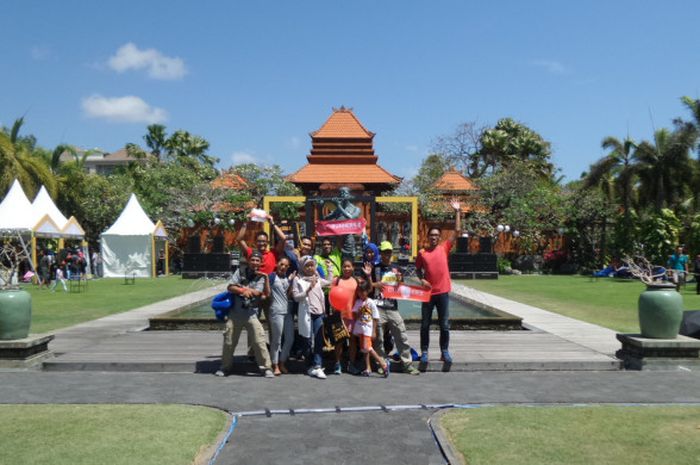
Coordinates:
[249,288]
[389,315]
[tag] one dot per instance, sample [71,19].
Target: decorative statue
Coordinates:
[345,210]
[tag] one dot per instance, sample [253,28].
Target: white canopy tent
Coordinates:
[16,219]
[128,246]
[22,220]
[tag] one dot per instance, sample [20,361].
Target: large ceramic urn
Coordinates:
[15,314]
[660,311]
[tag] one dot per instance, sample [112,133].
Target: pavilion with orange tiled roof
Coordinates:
[454,185]
[342,154]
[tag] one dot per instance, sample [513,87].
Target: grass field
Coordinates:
[104,297]
[576,435]
[606,302]
[106,434]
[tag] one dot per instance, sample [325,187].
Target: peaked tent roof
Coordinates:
[47,227]
[72,228]
[16,210]
[44,205]
[133,221]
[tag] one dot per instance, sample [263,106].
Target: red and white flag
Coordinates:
[340,227]
[406,292]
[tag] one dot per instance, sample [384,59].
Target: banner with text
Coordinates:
[404,292]
[340,227]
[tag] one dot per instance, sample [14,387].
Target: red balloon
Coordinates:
[341,298]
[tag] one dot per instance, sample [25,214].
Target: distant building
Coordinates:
[101,162]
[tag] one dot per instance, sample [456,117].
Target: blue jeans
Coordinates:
[316,356]
[442,302]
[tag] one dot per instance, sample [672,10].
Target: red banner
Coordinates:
[405,292]
[340,227]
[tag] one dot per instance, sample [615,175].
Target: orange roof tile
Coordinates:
[343,173]
[229,181]
[344,125]
[452,180]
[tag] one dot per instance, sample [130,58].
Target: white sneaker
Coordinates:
[268,374]
[317,373]
[219,373]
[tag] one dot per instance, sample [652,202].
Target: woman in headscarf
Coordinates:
[308,291]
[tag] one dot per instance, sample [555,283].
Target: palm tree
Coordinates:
[17,161]
[619,164]
[665,167]
[156,139]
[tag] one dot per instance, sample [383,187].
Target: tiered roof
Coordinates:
[342,152]
[454,181]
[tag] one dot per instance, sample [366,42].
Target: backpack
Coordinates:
[222,304]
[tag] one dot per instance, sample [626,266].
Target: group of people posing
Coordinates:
[285,282]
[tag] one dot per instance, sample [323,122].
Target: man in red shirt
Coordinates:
[262,242]
[435,273]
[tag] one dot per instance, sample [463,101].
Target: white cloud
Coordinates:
[553,67]
[40,52]
[127,109]
[239,158]
[157,65]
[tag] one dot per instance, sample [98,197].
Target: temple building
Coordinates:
[342,154]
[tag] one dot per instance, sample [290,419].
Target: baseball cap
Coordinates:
[385,245]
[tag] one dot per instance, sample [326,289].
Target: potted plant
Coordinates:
[15,304]
[660,306]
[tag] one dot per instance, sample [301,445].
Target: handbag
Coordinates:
[338,331]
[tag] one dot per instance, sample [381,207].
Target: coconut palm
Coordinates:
[618,164]
[18,161]
[665,168]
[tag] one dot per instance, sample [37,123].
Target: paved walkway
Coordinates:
[387,436]
[91,333]
[118,342]
[588,335]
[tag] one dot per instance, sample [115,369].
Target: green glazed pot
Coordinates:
[15,314]
[660,311]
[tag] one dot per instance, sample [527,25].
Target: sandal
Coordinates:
[366,373]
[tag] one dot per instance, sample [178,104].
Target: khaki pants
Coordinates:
[392,319]
[256,336]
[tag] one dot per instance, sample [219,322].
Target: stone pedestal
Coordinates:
[641,353]
[25,353]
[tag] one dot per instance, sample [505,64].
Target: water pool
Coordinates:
[464,315]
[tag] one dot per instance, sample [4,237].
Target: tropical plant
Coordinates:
[18,161]
[665,168]
[659,235]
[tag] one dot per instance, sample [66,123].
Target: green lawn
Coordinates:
[106,434]
[606,302]
[104,297]
[576,435]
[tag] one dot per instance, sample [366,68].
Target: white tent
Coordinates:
[16,213]
[128,246]
[43,205]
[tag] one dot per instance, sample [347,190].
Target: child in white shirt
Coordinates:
[367,325]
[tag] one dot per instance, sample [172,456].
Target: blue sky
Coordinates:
[254,78]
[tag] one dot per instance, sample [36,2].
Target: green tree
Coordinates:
[659,235]
[665,168]
[19,160]
[615,175]
[510,141]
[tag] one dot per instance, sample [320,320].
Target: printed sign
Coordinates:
[405,292]
[340,227]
